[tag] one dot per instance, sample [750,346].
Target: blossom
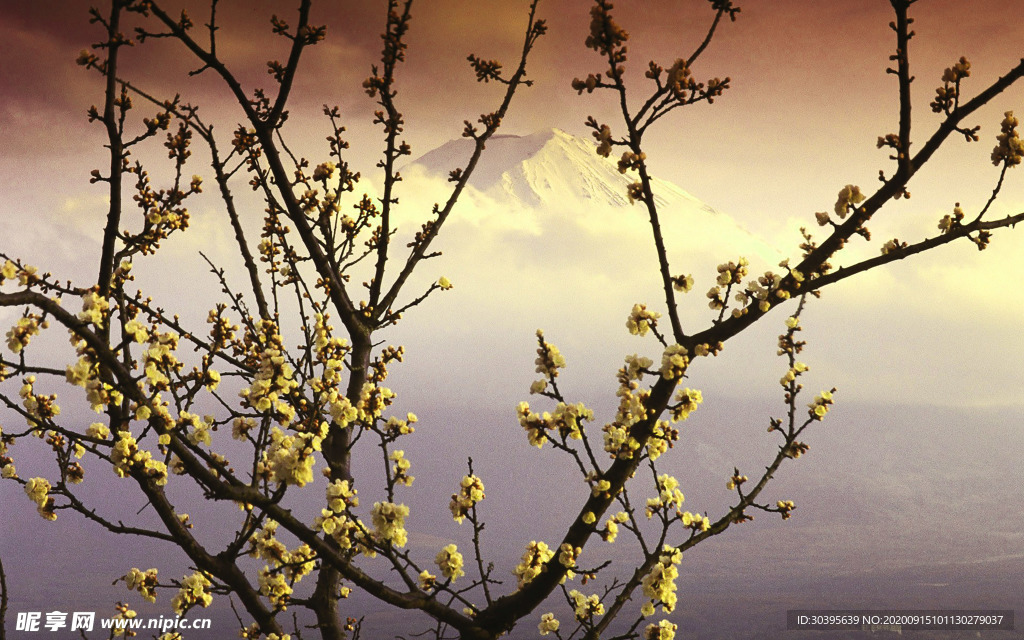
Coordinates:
[427,580]
[144,582]
[445,283]
[389,522]
[688,401]
[193,592]
[641,320]
[340,496]
[401,468]
[849,196]
[94,308]
[8,271]
[664,630]
[449,560]
[21,333]
[471,491]
[674,362]
[821,404]
[669,495]
[683,283]
[1009,147]
[548,623]
[38,490]
[533,563]
[289,459]
[586,607]
[549,358]
[323,171]
[659,584]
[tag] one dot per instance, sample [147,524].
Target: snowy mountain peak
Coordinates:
[549,167]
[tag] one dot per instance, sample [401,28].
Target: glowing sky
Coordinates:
[810,96]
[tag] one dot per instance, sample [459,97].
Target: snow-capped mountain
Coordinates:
[553,185]
[549,167]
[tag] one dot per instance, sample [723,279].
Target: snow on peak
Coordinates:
[549,167]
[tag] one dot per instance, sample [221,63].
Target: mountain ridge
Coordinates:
[547,167]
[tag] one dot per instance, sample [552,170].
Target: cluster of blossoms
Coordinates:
[449,561]
[274,587]
[533,563]
[790,377]
[26,274]
[389,523]
[631,161]
[567,557]
[284,567]
[401,468]
[660,584]
[289,458]
[124,612]
[946,96]
[471,491]
[335,520]
[950,222]
[9,271]
[786,507]
[892,245]
[38,490]
[664,630]
[373,400]
[127,457]
[549,358]
[197,429]
[252,632]
[602,134]
[635,192]
[611,526]
[735,480]
[548,624]
[94,308]
[39,407]
[761,290]
[145,582]
[427,580]
[674,362]
[21,333]
[241,426]
[586,607]
[687,401]
[641,320]
[669,496]
[565,420]
[1009,148]
[617,440]
[819,407]
[849,197]
[730,273]
[683,284]
[84,373]
[193,592]
[159,358]
[274,380]
[663,437]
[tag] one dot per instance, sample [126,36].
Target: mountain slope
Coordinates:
[554,184]
[549,167]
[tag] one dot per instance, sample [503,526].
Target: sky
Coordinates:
[810,96]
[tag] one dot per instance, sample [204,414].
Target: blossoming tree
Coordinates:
[297,411]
